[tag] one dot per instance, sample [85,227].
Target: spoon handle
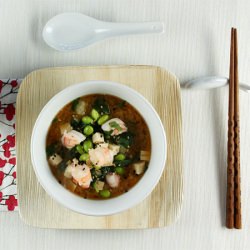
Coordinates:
[118,29]
[211,82]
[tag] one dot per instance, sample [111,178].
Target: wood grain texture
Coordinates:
[161,88]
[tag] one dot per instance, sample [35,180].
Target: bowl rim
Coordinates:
[105,203]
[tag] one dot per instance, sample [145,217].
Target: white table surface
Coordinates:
[196,43]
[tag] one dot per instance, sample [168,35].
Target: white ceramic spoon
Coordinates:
[70,31]
[211,82]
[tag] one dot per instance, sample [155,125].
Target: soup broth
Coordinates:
[98,146]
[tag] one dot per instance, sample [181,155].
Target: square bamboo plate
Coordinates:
[161,88]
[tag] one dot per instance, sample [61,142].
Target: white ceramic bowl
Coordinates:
[98,207]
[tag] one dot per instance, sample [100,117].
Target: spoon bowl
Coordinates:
[70,31]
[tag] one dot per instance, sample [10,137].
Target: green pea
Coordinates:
[84,157]
[94,113]
[87,145]
[79,149]
[103,119]
[120,170]
[88,130]
[87,120]
[120,157]
[105,193]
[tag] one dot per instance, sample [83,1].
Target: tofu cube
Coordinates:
[81,108]
[66,127]
[98,138]
[114,148]
[68,171]
[144,155]
[139,167]
[98,186]
[55,160]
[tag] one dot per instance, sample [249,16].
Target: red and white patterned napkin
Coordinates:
[8,191]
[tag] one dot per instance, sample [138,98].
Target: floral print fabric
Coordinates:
[8,191]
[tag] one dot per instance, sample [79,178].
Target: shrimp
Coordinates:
[113,180]
[80,173]
[72,138]
[82,176]
[116,125]
[101,156]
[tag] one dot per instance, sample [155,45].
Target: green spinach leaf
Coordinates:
[101,106]
[74,104]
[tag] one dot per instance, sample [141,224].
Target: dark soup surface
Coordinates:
[98,146]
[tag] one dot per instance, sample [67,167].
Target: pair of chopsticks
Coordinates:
[233,202]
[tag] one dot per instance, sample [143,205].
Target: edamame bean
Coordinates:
[84,157]
[120,157]
[103,119]
[88,130]
[87,145]
[105,193]
[94,113]
[79,149]
[120,170]
[87,120]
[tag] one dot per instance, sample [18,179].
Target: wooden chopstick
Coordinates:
[233,202]
[237,186]
[230,142]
